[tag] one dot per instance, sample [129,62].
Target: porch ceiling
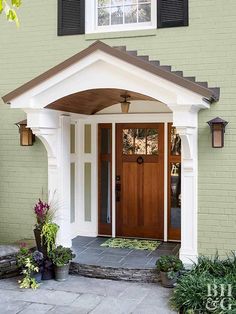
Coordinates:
[91,101]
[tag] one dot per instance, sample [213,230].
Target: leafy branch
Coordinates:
[8,7]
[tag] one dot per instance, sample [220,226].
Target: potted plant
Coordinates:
[48,270]
[48,235]
[45,235]
[31,267]
[169,268]
[41,210]
[38,260]
[61,257]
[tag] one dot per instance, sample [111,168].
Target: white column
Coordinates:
[189,204]
[185,119]
[53,130]
[63,195]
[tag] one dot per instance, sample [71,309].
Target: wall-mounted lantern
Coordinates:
[27,138]
[217,126]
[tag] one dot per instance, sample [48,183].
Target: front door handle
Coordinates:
[118,188]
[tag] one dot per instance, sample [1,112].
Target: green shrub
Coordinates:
[61,255]
[191,293]
[169,264]
[216,266]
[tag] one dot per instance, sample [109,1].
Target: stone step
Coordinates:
[8,267]
[115,273]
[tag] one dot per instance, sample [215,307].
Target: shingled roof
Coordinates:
[210,94]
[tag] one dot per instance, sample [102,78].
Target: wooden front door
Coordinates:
[140,180]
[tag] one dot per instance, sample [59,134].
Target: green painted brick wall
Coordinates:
[206,49]
[23,173]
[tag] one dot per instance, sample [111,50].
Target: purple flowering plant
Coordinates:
[37,258]
[42,212]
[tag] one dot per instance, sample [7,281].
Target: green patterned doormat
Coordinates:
[135,244]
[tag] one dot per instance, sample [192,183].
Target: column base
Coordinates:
[188,257]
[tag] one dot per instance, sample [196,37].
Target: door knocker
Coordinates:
[140,160]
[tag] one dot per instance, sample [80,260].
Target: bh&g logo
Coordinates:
[219,297]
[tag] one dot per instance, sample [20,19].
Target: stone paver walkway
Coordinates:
[80,295]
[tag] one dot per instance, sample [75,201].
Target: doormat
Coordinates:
[135,244]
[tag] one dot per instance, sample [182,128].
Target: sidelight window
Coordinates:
[174,184]
[105,178]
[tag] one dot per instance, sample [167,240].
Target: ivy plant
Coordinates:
[48,234]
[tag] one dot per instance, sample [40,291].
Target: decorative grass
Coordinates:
[191,293]
[135,244]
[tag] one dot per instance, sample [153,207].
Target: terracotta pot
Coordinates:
[167,282]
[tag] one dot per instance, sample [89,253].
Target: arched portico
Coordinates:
[104,68]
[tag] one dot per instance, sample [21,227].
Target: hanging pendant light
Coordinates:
[125,104]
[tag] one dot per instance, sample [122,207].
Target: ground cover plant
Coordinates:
[209,287]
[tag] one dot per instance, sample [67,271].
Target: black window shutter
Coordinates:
[172,13]
[71,17]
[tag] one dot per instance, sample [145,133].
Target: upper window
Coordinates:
[123,12]
[91,16]
[120,15]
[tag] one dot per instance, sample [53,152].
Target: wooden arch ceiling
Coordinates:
[92,101]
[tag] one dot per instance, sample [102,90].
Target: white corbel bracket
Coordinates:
[48,138]
[187,137]
[45,124]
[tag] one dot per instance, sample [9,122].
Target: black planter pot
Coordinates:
[40,243]
[37,276]
[48,271]
[48,274]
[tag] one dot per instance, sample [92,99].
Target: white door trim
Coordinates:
[87,228]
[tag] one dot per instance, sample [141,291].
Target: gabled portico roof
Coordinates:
[131,57]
